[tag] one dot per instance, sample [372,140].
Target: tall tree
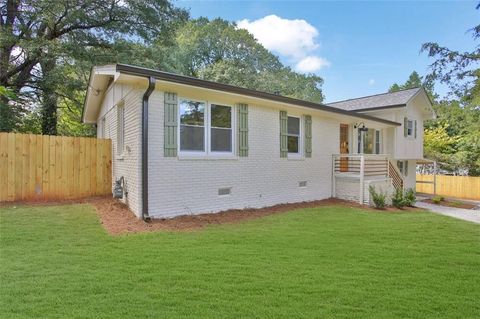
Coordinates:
[459,70]
[41,38]
[459,112]
[414,81]
[217,50]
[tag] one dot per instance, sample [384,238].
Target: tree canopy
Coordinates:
[453,138]
[48,47]
[217,50]
[45,45]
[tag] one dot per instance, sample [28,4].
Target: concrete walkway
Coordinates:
[471,215]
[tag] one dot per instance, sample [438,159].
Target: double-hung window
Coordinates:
[192,126]
[403,167]
[221,128]
[206,128]
[410,128]
[293,135]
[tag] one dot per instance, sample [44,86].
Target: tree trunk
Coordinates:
[49,99]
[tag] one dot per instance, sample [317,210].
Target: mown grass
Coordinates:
[58,262]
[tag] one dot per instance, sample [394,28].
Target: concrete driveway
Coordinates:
[471,215]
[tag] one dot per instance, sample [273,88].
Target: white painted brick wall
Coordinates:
[128,165]
[347,188]
[180,186]
[382,185]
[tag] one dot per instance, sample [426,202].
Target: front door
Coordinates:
[344,147]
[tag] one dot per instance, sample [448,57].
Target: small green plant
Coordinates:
[397,199]
[437,199]
[379,198]
[409,197]
[456,203]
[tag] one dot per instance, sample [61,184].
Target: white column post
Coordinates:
[362,173]
[334,193]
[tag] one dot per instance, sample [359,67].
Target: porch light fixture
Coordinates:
[361,127]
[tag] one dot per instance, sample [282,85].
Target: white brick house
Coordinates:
[189,146]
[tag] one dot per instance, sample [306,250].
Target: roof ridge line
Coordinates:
[367,96]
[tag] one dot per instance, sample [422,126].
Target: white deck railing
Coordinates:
[364,166]
[361,165]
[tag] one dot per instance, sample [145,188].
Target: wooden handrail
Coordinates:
[397,180]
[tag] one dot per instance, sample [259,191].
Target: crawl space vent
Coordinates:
[224,191]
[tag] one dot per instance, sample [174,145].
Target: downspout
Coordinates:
[146,96]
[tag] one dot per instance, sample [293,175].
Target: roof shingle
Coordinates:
[384,100]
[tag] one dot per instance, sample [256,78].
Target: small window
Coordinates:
[221,128]
[377,142]
[120,128]
[400,166]
[293,135]
[403,167]
[192,126]
[409,127]
[302,184]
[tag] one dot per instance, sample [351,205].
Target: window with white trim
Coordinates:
[377,142]
[293,135]
[221,128]
[192,126]
[120,128]
[410,128]
[205,128]
[403,167]
[369,142]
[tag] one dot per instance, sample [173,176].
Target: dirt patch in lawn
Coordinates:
[450,203]
[118,219]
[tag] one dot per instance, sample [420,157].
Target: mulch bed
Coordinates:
[449,203]
[116,218]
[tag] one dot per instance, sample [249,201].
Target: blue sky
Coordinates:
[359,48]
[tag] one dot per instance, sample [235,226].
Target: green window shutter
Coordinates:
[308,136]
[415,128]
[283,134]
[170,124]
[242,130]
[405,128]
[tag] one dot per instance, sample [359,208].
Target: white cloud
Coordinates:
[371,82]
[311,64]
[294,39]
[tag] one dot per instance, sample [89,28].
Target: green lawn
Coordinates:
[58,262]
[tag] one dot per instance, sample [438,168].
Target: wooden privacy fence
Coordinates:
[467,187]
[42,167]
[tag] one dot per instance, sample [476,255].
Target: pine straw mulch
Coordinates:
[117,219]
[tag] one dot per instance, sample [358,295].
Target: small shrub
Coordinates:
[437,199]
[397,199]
[379,199]
[409,197]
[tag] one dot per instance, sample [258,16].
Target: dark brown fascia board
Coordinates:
[175,78]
